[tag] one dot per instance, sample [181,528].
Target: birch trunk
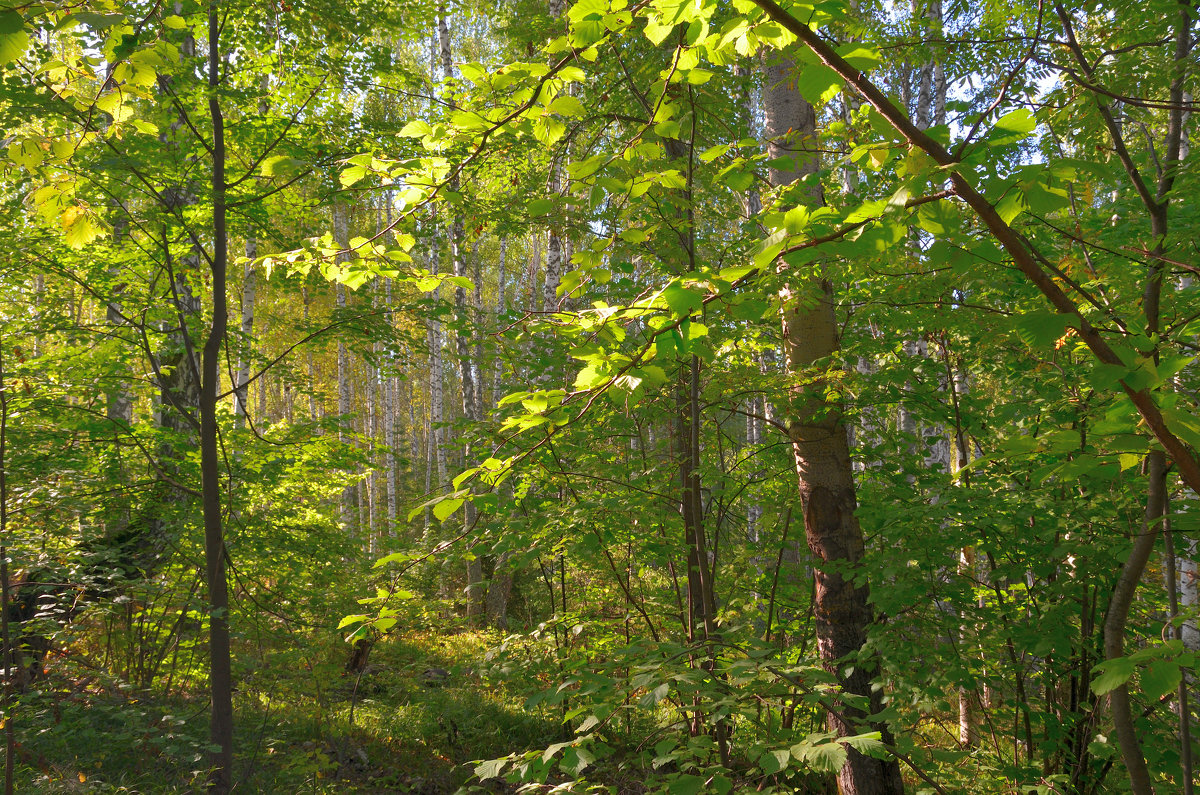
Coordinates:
[554,241]
[392,429]
[341,236]
[249,285]
[500,586]
[310,364]
[372,422]
[436,450]
[119,400]
[466,370]
[391,433]
[842,610]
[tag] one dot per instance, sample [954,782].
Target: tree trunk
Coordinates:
[462,338]
[391,428]
[249,284]
[243,368]
[220,669]
[341,236]
[500,586]
[818,435]
[311,365]
[436,450]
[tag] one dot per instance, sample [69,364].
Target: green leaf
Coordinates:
[774,761]
[490,769]
[656,695]
[657,32]
[860,57]
[284,166]
[566,105]
[445,508]
[548,130]
[826,757]
[576,759]
[818,83]
[14,39]
[416,129]
[1042,328]
[540,206]
[1113,674]
[685,784]
[868,744]
[1011,128]
[348,620]
[26,153]
[591,376]
[682,300]
[11,22]
[1018,121]
[1183,424]
[1129,460]
[1159,678]
[395,557]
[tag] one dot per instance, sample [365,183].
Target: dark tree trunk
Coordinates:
[220,669]
[822,454]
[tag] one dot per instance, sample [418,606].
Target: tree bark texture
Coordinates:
[341,236]
[220,669]
[822,455]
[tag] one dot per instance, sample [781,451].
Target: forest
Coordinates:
[608,396]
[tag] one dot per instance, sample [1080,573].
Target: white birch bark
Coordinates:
[249,289]
[373,422]
[466,369]
[391,435]
[436,381]
[249,285]
[554,242]
[310,364]
[341,236]
[119,406]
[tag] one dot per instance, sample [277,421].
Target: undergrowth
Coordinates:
[305,724]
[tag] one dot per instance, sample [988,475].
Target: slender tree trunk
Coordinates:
[249,284]
[1189,594]
[1182,707]
[392,428]
[10,652]
[822,455]
[1118,613]
[220,669]
[554,241]
[311,365]
[119,406]
[466,368]
[436,450]
[341,235]
[500,587]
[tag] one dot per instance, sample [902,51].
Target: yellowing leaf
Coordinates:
[80,226]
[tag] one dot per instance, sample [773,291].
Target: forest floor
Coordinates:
[424,708]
